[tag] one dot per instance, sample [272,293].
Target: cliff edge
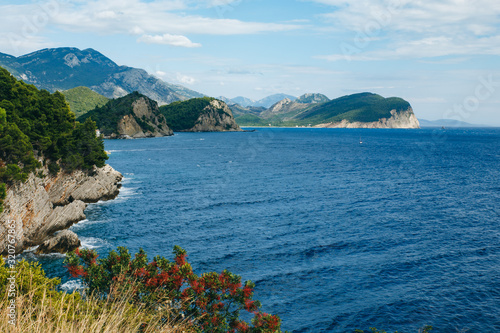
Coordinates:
[200,115]
[399,119]
[40,207]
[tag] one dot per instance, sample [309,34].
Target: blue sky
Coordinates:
[441,56]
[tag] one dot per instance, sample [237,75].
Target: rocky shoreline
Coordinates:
[40,207]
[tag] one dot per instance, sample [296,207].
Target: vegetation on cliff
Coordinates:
[37,128]
[364,107]
[82,99]
[183,115]
[108,116]
[314,109]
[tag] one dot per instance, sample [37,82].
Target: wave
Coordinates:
[92,243]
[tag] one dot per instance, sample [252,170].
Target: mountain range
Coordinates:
[266,102]
[67,68]
[83,74]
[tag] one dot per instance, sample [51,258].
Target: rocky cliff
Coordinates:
[399,119]
[216,117]
[40,207]
[200,115]
[132,116]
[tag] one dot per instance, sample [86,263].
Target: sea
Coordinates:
[340,229]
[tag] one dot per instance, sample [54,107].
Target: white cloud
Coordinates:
[185,79]
[415,29]
[167,39]
[156,17]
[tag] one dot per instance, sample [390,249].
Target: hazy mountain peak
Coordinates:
[68,67]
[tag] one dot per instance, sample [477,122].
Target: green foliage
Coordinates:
[32,300]
[183,115]
[3,194]
[364,107]
[83,99]
[250,120]
[37,121]
[108,115]
[212,301]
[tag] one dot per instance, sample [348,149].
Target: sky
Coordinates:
[442,56]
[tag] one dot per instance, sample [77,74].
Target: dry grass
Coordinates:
[42,309]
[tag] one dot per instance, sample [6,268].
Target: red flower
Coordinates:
[247,291]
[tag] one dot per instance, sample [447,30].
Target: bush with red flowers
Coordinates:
[212,301]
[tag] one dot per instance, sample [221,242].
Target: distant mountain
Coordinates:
[312,98]
[287,108]
[131,116]
[358,110]
[273,99]
[83,99]
[243,101]
[67,68]
[200,115]
[447,123]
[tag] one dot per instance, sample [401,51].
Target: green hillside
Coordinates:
[183,115]
[83,99]
[108,115]
[35,124]
[363,107]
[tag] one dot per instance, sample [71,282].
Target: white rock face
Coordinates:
[41,206]
[403,119]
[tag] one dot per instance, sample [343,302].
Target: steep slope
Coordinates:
[363,107]
[50,165]
[200,115]
[82,99]
[131,116]
[358,110]
[67,68]
[287,109]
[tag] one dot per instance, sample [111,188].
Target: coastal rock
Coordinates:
[216,117]
[37,208]
[65,241]
[403,119]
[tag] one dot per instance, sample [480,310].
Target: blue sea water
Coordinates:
[398,232]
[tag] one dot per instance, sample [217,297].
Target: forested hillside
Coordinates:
[37,128]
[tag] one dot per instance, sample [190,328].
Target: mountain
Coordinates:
[131,116]
[312,98]
[243,101]
[287,108]
[362,110]
[358,110]
[270,100]
[83,99]
[447,123]
[67,68]
[200,115]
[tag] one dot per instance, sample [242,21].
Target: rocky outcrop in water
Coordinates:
[63,242]
[216,117]
[130,117]
[42,206]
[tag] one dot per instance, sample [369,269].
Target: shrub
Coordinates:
[212,301]
[40,307]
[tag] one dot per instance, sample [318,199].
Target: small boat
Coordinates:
[360,141]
